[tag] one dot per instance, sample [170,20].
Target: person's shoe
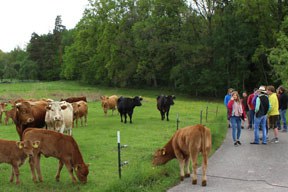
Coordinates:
[239,142]
[284,130]
[274,140]
[264,143]
[254,143]
[242,127]
[236,144]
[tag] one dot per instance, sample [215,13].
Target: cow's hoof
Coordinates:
[204,183]
[194,182]
[181,178]
[187,175]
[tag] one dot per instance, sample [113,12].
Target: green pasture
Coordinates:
[98,141]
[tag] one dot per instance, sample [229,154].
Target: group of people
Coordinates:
[265,109]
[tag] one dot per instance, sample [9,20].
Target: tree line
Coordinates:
[200,47]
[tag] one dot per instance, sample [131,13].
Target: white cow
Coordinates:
[59,116]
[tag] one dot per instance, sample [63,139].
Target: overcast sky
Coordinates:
[20,18]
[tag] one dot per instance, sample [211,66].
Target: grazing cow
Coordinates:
[186,143]
[59,116]
[80,110]
[10,114]
[163,105]
[109,103]
[2,109]
[74,99]
[59,146]
[126,106]
[15,154]
[30,114]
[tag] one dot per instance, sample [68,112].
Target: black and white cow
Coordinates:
[126,106]
[163,105]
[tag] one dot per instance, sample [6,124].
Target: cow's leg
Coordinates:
[167,115]
[1,117]
[16,172]
[125,116]
[38,168]
[121,117]
[162,115]
[57,177]
[32,168]
[85,117]
[12,174]
[204,169]
[187,165]
[181,161]
[194,156]
[70,170]
[130,117]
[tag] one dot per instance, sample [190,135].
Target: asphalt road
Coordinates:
[244,168]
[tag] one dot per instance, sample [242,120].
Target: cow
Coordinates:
[30,114]
[10,114]
[109,103]
[75,99]
[60,146]
[2,109]
[59,116]
[15,154]
[126,106]
[80,110]
[163,105]
[186,143]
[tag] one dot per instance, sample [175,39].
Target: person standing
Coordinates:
[262,107]
[236,112]
[226,101]
[245,104]
[273,113]
[251,107]
[283,99]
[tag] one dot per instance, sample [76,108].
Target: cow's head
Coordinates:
[24,113]
[82,172]
[137,100]
[2,106]
[27,146]
[170,99]
[161,157]
[54,109]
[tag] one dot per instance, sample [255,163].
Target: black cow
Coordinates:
[163,105]
[126,106]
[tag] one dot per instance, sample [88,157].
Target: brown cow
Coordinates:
[80,110]
[10,114]
[30,114]
[74,99]
[2,109]
[109,103]
[15,154]
[186,143]
[60,146]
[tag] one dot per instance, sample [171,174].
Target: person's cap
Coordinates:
[262,89]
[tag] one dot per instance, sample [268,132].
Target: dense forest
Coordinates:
[200,47]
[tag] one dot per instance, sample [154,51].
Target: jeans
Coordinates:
[236,127]
[251,118]
[283,119]
[257,122]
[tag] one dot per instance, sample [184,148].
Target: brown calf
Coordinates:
[60,146]
[15,154]
[80,110]
[186,143]
[109,103]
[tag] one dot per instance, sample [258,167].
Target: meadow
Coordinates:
[98,140]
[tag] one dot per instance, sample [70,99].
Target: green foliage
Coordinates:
[98,141]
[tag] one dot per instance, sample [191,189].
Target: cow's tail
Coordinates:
[203,140]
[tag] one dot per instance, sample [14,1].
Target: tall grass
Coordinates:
[98,141]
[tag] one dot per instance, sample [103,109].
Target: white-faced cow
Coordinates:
[186,143]
[126,106]
[59,116]
[60,146]
[163,105]
[30,114]
[15,154]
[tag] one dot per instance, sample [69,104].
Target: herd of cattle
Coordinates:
[40,125]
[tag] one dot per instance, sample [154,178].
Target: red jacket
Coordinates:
[230,109]
[250,103]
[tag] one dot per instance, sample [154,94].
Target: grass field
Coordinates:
[98,141]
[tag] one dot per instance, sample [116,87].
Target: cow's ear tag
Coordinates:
[163,151]
[19,144]
[36,144]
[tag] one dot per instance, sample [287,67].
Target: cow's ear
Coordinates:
[20,144]
[140,97]
[163,151]
[77,167]
[63,107]
[48,107]
[36,144]
[173,96]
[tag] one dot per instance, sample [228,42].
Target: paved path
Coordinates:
[245,168]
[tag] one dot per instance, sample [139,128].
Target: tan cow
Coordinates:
[186,143]
[60,146]
[10,114]
[15,154]
[80,110]
[109,103]
[2,109]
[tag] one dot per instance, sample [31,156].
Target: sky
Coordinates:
[20,18]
